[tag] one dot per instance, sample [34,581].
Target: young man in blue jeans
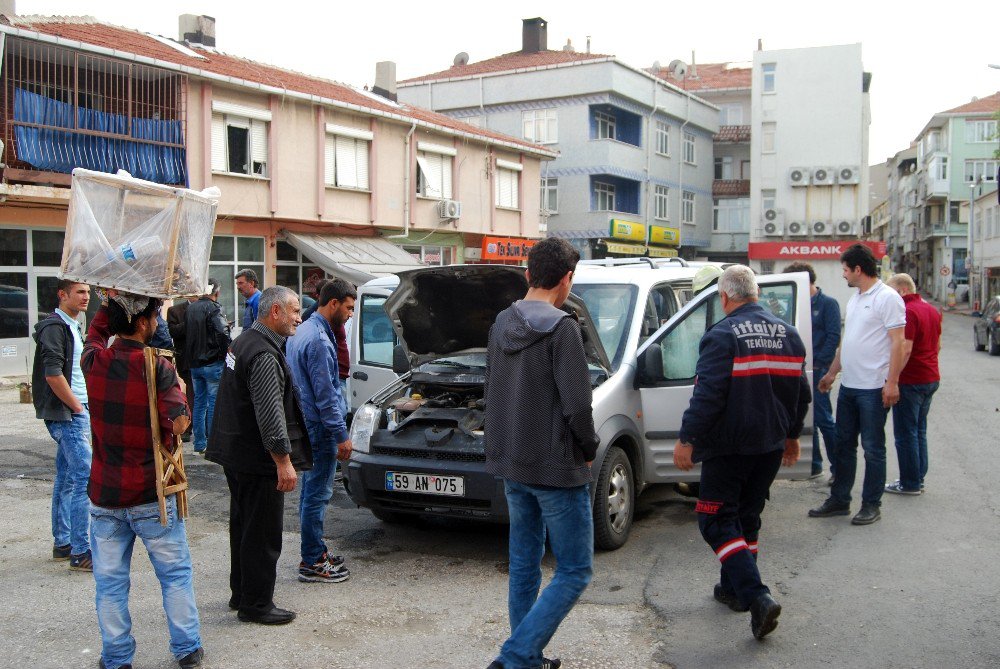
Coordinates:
[122,486]
[540,439]
[61,401]
[206,342]
[312,357]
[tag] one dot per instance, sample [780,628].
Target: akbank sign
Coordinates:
[807,250]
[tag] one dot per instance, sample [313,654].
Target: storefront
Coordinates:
[506,250]
[663,241]
[626,239]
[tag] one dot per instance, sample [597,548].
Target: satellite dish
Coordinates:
[461,58]
[678,68]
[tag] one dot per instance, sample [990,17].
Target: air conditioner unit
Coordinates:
[847,176]
[774,229]
[799,176]
[846,228]
[823,176]
[798,229]
[450,209]
[822,228]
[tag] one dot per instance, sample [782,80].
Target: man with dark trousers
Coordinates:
[259,437]
[825,340]
[744,420]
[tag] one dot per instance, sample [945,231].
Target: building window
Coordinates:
[939,168]
[731,114]
[745,169]
[662,138]
[687,207]
[346,158]
[767,137]
[985,170]
[239,144]
[507,188]
[768,71]
[294,270]
[768,199]
[731,215]
[430,254]
[660,208]
[605,125]
[604,196]
[689,156]
[724,167]
[540,126]
[550,195]
[230,255]
[28,284]
[434,175]
[977,132]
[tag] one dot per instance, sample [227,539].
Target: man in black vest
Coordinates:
[259,438]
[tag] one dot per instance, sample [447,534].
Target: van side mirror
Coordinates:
[649,370]
[400,362]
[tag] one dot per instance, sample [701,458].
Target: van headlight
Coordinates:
[365,423]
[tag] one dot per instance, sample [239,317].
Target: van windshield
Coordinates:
[611,307]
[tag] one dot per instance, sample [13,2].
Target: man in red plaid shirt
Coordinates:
[122,485]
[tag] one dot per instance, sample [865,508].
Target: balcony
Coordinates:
[733,134]
[731,188]
[65,109]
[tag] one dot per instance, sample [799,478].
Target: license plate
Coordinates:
[433,484]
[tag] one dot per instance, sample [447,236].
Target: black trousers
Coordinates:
[734,489]
[256,511]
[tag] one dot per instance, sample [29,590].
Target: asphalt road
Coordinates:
[917,589]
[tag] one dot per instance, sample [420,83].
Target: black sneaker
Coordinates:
[550,664]
[830,508]
[61,552]
[322,572]
[335,560]
[867,515]
[729,599]
[897,488]
[192,660]
[764,614]
[81,562]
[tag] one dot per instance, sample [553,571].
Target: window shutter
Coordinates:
[361,149]
[429,166]
[347,169]
[258,143]
[329,161]
[445,168]
[218,143]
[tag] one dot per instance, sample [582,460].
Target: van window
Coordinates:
[610,307]
[377,337]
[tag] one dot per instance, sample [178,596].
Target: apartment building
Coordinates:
[317,178]
[985,246]
[955,151]
[897,219]
[634,171]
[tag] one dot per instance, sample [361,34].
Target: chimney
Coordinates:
[196,29]
[534,35]
[693,70]
[385,79]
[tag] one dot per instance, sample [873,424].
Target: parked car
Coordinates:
[419,440]
[986,328]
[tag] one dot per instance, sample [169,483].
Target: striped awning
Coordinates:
[579,234]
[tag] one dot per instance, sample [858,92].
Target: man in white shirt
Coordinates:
[871,357]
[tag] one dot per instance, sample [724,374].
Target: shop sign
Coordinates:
[505,248]
[664,236]
[630,230]
[807,250]
[662,253]
[626,249]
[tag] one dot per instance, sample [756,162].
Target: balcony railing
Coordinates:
[730,187]
[65,109]
[733,134]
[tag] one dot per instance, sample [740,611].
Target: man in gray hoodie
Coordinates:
[540,439]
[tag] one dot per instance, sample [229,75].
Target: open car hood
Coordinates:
[439,312]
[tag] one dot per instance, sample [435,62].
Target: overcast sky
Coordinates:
[922,61]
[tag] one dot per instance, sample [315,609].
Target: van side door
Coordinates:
[666,364]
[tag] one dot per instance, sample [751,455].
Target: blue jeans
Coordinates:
[316,491]
[565,513]
[909,424]
[860,412]
[113,533]
[822,423]
[70,504]
[206,386]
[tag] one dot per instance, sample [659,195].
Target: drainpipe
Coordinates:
[491,176]
[680,166]
[373,171]
[407,194]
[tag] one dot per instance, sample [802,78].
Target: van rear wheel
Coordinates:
[614,502]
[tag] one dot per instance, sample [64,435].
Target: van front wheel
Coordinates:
[614,502]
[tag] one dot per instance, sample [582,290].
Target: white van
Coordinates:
[418,440]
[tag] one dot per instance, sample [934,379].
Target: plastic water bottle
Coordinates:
[142,249]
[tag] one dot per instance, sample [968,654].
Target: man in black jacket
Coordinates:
[743,422]
[540,439]
[260,439]
[206,340]
[177,324]
[61,401]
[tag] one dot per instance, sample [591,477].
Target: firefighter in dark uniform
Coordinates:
[746,413]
